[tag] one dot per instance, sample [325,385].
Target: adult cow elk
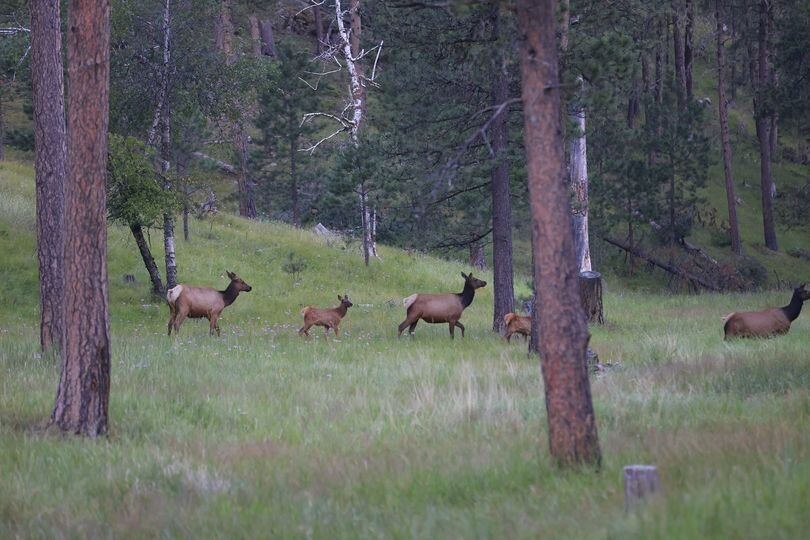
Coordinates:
[767,322]
[326,317]
[202,302]
[440,308]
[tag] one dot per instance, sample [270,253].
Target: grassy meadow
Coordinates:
[260,433]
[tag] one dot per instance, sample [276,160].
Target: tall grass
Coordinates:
[262,433]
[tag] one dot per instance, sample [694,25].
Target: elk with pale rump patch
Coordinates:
[440,308]
[517,324]
[326,317]
[767,322]
[202,302]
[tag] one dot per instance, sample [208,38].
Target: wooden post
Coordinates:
[590,292]
[640,483]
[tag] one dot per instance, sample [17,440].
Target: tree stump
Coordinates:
[590,292]
[640,483]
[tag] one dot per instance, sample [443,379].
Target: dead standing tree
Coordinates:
[351,118]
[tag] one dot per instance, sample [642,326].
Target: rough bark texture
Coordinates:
[170,256]
[563,330]
[763,129]
[148,260]
[722,105]
[590,291]
[502,273]
[84,385]
[477,258]
[50,146]
[296,212]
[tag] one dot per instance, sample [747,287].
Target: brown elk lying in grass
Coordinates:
[440,308]
[768,322]
[198,302]
[326,317]
[517,324]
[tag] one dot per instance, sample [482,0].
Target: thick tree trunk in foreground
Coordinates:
[84,385]
[50,145]
[502,273]
[688,51]
[563,330]
[247,206]
[680,71]
[148,260]
[722,105]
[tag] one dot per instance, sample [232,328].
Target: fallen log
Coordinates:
[662,265]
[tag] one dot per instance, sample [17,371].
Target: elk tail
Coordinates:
[408,302]
[727,317]
[173,293]
[306,310]
[508,317]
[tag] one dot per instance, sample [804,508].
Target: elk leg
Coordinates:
[404,324]
[452,330]
[304,330]
[335,329]
[508,337]
[412,327]
[460,326]
[178,320]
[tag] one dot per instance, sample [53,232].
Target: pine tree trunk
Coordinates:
[148,260]
[503,275]
[680,71]
[255,35]
[763,132]
[185,221]
[268,45]
[50,166]
[170,256]
[687,47]
[477,258]
[83,394]
[731,198]
[319,42]
[247,206]
[563,330]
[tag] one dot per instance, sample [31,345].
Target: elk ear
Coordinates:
[464,275]
[230,274]
[340,299]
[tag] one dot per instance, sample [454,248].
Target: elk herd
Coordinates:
[204,302]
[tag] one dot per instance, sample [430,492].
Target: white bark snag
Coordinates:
[351,53]
[640,483]
[579,186]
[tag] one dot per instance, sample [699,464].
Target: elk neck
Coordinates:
[229,294]
[793,309]
[467,295]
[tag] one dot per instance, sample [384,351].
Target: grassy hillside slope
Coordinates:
[261,433]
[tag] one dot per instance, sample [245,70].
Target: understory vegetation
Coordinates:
[263,433]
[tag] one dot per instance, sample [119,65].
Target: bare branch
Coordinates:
[313,5]
[312,148]
[14,30]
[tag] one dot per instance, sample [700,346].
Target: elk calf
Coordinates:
[517,324]
[767,322]
[198,302]
[326,317]
[440,308]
